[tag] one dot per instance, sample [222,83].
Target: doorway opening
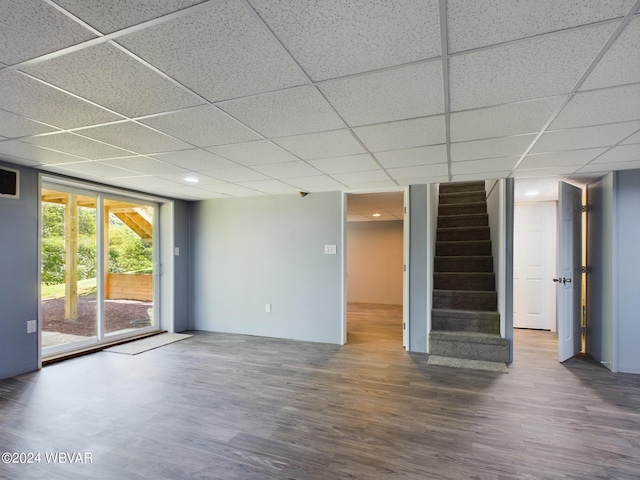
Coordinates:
[376,234]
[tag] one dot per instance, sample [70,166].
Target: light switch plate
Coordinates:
[330,249]
[32,326]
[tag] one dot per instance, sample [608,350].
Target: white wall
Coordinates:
[248,252]
[374,262]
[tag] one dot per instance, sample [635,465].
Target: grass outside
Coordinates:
[85,287]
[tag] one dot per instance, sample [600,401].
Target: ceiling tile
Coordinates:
[287,112]
[476,24]
[197,160]
[253,153]
[31,28]
[619,65]
[20,161]
[343,38]
[221,53]
[623,153]
[502,120]
[107,17]
[12,126]
[203,126]
[76,145]
[135,137]
[373,185]
[30,98]
[236,174]
[98,170]
[321,145]
[362,177]
[585,137]
[490,148]
[145,165]
[316,181]
[423,181]
[618,104]
[470,177]
[405,173]
[484,166]
[555,159]
[606,168]
[109,77]
[287,169]
[234,190]
[413,156]
[635,138]
[346,164]
[148,182]
[416,132]
[544,172]
[181,179]
[37,154]
[272,187]
[537,67]
[397,94]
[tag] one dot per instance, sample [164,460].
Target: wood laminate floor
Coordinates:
[220,406]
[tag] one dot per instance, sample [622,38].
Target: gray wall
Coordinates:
[419,218]
[627,267]
[247,252]
[19,276]
[181,266]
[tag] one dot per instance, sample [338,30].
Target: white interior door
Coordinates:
[534,266]
[569,270]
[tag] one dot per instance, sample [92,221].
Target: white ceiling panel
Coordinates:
[20,161]
[416,132]
[203,126]
[617,67]
[253,153]
[618,104]
[221,53]
[585,137]
[486,165]
[77,145]
[113,15]
[98,170]
[373,185]
[361,177]
[398,94]
[148,182]
[346,164]
[196,159]
[635,138]
[502,120]
[606,168]
[477,24]
[334,39]
[321,145]
[623,153]
[109,77]
[545,172]
[287,169]
[471,177]
[31,28]
[534,68]
[272,187]
[136,138]
[233,190]
[30,98]
[37,154]
[181,179]
[287,112]
[558,159]
[404,173]
[424,180]
[12,125]
[236,174]
[145,165]
[316,181]
[413,156]
[491,148]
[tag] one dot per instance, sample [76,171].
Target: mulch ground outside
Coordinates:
[119,315]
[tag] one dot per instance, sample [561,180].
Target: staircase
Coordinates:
[465,325]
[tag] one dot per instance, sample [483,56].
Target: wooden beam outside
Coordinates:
[71,258]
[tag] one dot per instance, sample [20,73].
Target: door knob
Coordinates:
[562,280]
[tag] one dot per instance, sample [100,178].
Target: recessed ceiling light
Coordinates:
[191,179]
[376,214]
[532,193]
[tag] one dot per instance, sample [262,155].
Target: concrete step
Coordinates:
[463,234]
[461,187]
[466,263]
[462,208]
[463,248]
[470,220]
[461,197]
[469,345]
[465,320]
[475,281]
[465,300]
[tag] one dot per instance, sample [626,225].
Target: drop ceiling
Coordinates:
[255,97]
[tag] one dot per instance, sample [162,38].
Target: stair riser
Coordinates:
[477,220]
[462,209]
[462,234]
[470,324]
[465,300]
[462,197]
[463,264]
[470,350]
[464,281]
[473,248]
[461,187]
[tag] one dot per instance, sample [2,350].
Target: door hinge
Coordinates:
[584,208]
[405,210]
[404,326]
[584,269]
[404,268]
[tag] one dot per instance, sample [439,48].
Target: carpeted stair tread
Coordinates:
[454,187]
[463,234]
[467,364]
[462,197]
[463,248]
[465,300]
[465,320]
[462,208]
[464,220]
[476,281]
[463,263]
[469,345]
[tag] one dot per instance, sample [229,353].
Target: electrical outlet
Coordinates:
[32,326]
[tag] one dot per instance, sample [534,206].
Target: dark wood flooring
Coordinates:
[219,406]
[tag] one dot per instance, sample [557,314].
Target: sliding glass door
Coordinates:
[98,275]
